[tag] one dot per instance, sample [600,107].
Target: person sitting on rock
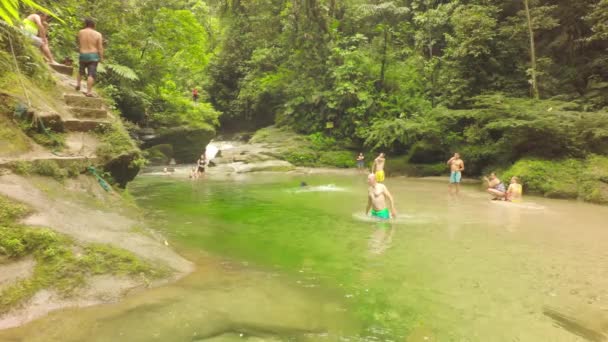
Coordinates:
[35,27]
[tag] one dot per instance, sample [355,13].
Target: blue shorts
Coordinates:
[455,177]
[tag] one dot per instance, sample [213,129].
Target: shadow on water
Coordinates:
[591,328]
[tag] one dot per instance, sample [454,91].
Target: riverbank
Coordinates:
[68,238]
[281,149]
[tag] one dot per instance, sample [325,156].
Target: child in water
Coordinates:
[514,192]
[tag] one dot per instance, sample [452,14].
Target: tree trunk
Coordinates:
[384,59]
[535,92]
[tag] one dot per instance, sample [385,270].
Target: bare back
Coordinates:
[90,41]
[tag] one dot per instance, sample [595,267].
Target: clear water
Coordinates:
[277,262]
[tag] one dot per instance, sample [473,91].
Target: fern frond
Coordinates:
[119,70]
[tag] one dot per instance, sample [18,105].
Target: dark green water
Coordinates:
[278,263]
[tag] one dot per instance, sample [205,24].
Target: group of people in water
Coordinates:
[378,194]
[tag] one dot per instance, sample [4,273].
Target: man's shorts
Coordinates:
[379,176]
[88,62]
[381,214]
[37,41]
[88,69]
[455,177]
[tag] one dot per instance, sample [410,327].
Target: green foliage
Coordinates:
[341,159]
[9,9]
[159,154]
[568,178]
[58,267]
[551,178]
[115,141]
[300,156]
[11,211]
[43,167]
[61,264]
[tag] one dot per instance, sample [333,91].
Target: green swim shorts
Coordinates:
[381,214]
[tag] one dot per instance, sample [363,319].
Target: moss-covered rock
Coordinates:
[594,180]
[124,168]
[568,178]
[550,178]
[159,154]
[188,143]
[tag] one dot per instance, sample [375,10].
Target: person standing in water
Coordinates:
[456,167]
[360,161]
[35,27]
[377,196]
[200,165]
[378,167]
[90,44]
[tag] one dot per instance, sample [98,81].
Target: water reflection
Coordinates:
[381,238]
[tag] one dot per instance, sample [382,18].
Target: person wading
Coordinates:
[90,43]
[456,167]
[377,196]
[378,167]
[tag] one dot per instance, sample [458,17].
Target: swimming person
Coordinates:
[515,191]
[376,199]
[495,187]
[378,167]
[90,43]
[360,161]
[456,167]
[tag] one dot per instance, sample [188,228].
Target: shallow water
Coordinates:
[278,262]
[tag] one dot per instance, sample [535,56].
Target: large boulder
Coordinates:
[188,143]
[124,168]
[159,154]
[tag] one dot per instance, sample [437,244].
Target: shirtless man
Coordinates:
[378,167]
[35,28]
[456,167]
[91,53]
[376,199]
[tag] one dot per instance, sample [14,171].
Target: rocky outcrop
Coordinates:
[188,143]
[123,169]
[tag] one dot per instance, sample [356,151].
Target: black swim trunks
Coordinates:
[88,69]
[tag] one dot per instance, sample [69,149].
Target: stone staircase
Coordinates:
[89,113]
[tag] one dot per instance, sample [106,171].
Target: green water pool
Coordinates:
[278,262]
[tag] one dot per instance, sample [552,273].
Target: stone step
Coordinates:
[63,69]
[76,125]
[89,112]
[82,101]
